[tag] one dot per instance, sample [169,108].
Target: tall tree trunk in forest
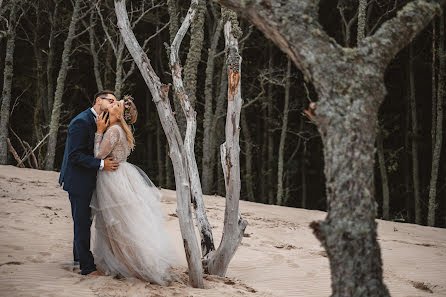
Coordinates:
[263,158]
[279,198]
[7,82]
[434,86]
[207,241]
[248,158]
[303,180]
[439,124]
[415,135]
[350,88]
[55,114]
[270,111]
[383,172]
[93,51]
[209,139]
[40,89]
[48,107]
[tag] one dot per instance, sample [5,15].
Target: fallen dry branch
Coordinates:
[14,153]
[32,151]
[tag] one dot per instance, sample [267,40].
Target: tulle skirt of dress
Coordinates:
[130,239]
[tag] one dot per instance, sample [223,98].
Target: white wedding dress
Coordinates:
[130,239]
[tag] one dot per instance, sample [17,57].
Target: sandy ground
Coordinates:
[279,256]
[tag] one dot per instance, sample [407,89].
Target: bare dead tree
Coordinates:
[177,152]
[350,86]
[182,151]
[217,262]
[207,241]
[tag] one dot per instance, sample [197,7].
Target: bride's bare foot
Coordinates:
[96,273]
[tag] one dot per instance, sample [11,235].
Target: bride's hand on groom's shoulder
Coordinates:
[102,123]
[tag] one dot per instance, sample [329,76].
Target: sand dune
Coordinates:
[279,256]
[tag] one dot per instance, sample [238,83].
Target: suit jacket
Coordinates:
[79,166]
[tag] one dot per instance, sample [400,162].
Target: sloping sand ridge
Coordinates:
[279,255]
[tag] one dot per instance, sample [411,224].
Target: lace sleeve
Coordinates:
[104,144]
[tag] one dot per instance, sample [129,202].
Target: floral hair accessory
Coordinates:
[128,102]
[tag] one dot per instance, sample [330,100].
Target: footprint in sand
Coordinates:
[34,259]
[14,247]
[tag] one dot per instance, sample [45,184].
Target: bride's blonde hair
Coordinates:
[129,117]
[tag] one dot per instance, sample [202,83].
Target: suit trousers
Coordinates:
[81,212]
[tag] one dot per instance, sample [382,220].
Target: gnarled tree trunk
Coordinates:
[350,86]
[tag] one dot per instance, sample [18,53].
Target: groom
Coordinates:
[78,175]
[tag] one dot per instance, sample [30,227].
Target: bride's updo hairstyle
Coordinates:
[129,117]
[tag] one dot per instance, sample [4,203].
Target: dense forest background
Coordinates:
[281,150]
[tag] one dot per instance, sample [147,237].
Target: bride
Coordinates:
[130,239]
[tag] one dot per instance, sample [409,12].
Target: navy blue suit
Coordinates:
[78,176]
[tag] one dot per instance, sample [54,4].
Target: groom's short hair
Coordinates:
[100,93]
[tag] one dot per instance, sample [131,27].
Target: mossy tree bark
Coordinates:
[350,86]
